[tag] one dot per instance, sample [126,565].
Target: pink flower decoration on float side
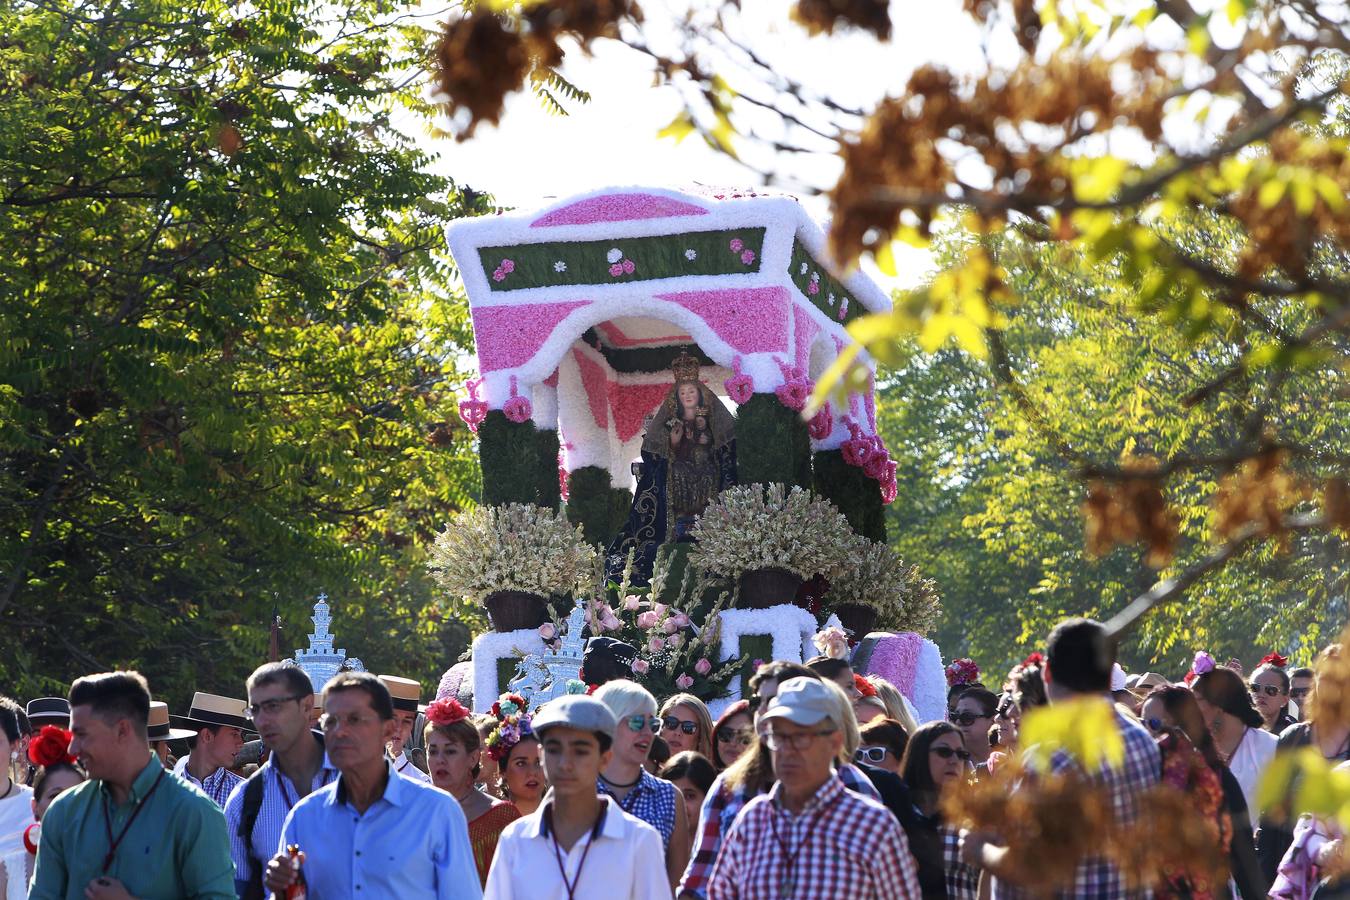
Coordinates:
[736,245]
[684,682]
[517,409]
[473,411]
[795,389]
[747,256]
[821,424]
[739,386]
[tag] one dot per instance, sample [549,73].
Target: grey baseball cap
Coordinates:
[805,701]
[575,711]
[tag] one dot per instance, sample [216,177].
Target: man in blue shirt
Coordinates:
[372,833]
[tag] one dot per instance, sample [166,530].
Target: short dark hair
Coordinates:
[1223,688]
[1280,673]
[289,674]
[887,733]
[113,696]
[827,666]
[1079,654]
[692,765]
[380,701]
[1302,672]
[987,699]
[914,768]
[779,670]
[9,719]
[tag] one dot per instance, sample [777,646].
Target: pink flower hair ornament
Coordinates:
[446,711]
[962,671]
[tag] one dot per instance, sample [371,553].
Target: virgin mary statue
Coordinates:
[688,456]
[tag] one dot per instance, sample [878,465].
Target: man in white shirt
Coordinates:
[577,844]
[407,694]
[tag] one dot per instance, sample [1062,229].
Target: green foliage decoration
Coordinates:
[772,443]
[847,487]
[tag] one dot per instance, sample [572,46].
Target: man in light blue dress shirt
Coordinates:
[372,833]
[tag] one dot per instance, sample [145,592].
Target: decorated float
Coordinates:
[644,359]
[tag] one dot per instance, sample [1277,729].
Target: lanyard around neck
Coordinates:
[571,885]
[114,843]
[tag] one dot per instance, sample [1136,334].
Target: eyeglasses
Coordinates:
[271,707]
[329,723]
[640,722]
[734,737]
[870,754]
[949,752]
[1271,690]
[967,718]
[776,741]
[1154,724]
[671,723]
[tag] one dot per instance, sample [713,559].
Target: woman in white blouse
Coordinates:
[1237,727]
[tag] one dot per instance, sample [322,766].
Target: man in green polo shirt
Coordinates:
[132,829]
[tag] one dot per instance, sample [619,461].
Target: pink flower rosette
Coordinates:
[518,408]
[473,411]
[739,386]
[821,424]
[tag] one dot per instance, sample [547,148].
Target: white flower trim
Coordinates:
[790,626]
[490,647]
[930,685]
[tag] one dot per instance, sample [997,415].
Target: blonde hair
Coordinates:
[845,720]
[894,702]
[626,698]
[704,745]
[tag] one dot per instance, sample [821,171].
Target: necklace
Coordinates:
[616,784]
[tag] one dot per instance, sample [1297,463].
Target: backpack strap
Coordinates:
[253,798]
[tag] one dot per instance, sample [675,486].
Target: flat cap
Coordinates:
[576,711]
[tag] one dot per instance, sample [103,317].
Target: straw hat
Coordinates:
[213,709]
[157,726]
[405,692]
[1146,683]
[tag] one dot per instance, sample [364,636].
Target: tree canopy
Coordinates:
[229,357]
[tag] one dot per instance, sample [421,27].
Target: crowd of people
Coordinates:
[819,783]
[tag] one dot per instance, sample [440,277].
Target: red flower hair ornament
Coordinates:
[51,746]
[446,711]
[1035,659]
[962,671]
[864,686]
[1275,660]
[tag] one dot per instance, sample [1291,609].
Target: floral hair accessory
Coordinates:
[962,671]
[51,746]
[865,687]
[1203,663]
[446,711]
[1034,659]
[509,732]
[508,705]
[1275,659]
[832,642]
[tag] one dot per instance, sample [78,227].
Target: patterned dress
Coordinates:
[963,880]
[653,801]
[484,831]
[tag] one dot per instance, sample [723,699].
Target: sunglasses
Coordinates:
[1270,690]
[966,718]
[671,723]
[870,754]
[1154,724]
[949,752]
[639,722]
[1299,693]
[742,737]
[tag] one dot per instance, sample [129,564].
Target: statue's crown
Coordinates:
[685,367]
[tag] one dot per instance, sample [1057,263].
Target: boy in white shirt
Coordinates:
[577,844]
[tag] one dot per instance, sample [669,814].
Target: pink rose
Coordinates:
[684,682]
[609,621]
[736,245]
[669,626]
[615,270]
[508,266]
[813,288]
[632,602]
[748,256]
[548,631]
[640,667]
[659,609]
[656,645]
[680,619]
[628,266]
[498,275]
[646,619]
[703,666]
[675,640]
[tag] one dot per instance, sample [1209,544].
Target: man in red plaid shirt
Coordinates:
[810,838]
